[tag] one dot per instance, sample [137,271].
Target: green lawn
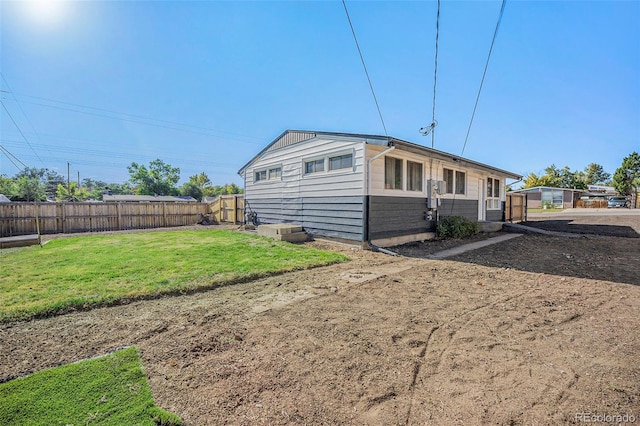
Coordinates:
[78,273]
[110,390]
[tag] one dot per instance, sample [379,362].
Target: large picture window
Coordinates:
[392,173]
[414,176]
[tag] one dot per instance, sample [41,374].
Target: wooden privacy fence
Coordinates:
[228,209]
[53,218]
[515,208]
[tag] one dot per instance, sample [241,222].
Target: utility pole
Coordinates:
[78,179]
[68,179]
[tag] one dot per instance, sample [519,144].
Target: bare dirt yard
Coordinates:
[535,330]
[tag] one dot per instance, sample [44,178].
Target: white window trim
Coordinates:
[466,182]
[266,170]
[327,164]
[491,200]
[404,173]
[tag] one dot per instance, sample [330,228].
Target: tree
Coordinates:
[48,179]
[556,178]
[29,189]
[198,187]
[159,179]
[7,187]
[71,194]
[192,190]
[594,174]
[626,179]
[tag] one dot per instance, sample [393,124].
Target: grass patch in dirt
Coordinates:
[110,390]
[82,272]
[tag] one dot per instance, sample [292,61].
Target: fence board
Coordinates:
[20,218]
[515,207]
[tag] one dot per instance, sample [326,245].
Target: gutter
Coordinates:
[391,146]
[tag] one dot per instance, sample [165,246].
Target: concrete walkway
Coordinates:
[471,246]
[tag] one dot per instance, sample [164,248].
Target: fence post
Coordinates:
[119,216]
[235,210]
[164,215]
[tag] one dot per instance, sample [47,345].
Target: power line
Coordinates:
[365,68]
[495,33]
[20,106]
[9,155]
[431,128]
[20,131]
[220,133]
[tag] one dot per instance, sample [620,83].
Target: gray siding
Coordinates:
[460,207]
[397,216]
[337,217]
[495,215]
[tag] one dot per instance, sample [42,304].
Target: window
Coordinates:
[260,175]
[414,176]
[458,184]
[493,194]
[275,173]
[314,166]
[447,175]
[392,173]
[341,162]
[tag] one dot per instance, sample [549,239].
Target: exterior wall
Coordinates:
[494,215]
[534,200]
[398,216]
[460,207]
[337,217]
[475,185]
[328,203]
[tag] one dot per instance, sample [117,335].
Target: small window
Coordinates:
[447,175]
[260,175]
[314,166]
[341,162]
[392,173]
[460,182]
[414,176]
[275,173]
[493,194]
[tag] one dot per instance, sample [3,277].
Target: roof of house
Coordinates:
[291,137]
[148,198]
[4,199]
[540,188]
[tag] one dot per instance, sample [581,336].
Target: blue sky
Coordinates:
[206,85]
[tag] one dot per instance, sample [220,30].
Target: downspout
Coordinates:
[368,195]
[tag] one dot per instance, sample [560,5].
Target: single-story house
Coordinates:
[147,199]
[368,188]
[539,196]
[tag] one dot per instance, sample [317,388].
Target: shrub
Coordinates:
[456,227]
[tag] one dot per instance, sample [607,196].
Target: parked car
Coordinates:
[617,202]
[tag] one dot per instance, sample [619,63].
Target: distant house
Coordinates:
[147,199]
[4,199]
[539,196]
[368,188]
